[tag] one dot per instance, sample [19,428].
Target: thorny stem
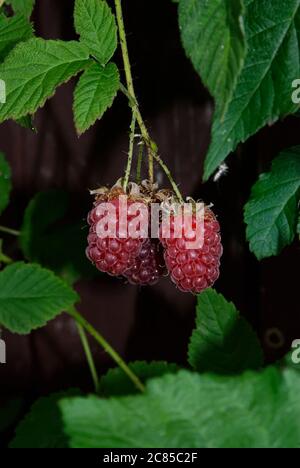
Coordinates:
[139,163]
[7,230]
[107,347]
[168,174]
[89,356]
[130,152]
[130,85]
[130,93]
[152,147]
[135,108]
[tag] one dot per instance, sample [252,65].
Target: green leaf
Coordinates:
[57,245]
[116,382]
[96,25]
[223,342]
[37,218]
[271,213]
[42,427]
[190,410]
[94,93]
[12,31]
[263,91]
[5,182]
[30,296]
[292,359]
[26,122]
[213,38]
[10,413]
[22,6]
[34,69]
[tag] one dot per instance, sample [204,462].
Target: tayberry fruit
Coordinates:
[148,266]
[193,269]
[113,254]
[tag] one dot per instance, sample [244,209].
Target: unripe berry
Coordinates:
[148,266]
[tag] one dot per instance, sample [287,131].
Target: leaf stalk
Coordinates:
[107,347]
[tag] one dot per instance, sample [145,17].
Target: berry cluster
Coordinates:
[142,261]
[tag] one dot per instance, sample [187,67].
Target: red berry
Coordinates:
[193,270]
[148,266]
[113,254]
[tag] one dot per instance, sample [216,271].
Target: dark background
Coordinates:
[150,323]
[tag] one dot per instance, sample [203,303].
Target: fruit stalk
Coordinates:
[139,163]
[130,86]
[130,152]
[168,174]
[152,147]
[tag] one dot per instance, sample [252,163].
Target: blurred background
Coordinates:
[149,323]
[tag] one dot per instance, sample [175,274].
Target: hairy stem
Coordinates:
[130,152]
[107,347]
[139,163]
[7,230]
[89,356]
[130,85]
[168,174]
[153,148]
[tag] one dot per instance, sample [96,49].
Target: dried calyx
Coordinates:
[146,192]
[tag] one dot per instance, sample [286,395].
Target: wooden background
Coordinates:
[150,323]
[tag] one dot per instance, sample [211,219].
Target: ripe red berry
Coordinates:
[193,270]
[148,266]
[113,254]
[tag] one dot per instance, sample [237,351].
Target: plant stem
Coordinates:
[130,85]
[107,347]
[139,163]
[5,259]
[168,174]
[152,147]
[130,93]
[89,356]
[7,230]
[135,108]
[130,152]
